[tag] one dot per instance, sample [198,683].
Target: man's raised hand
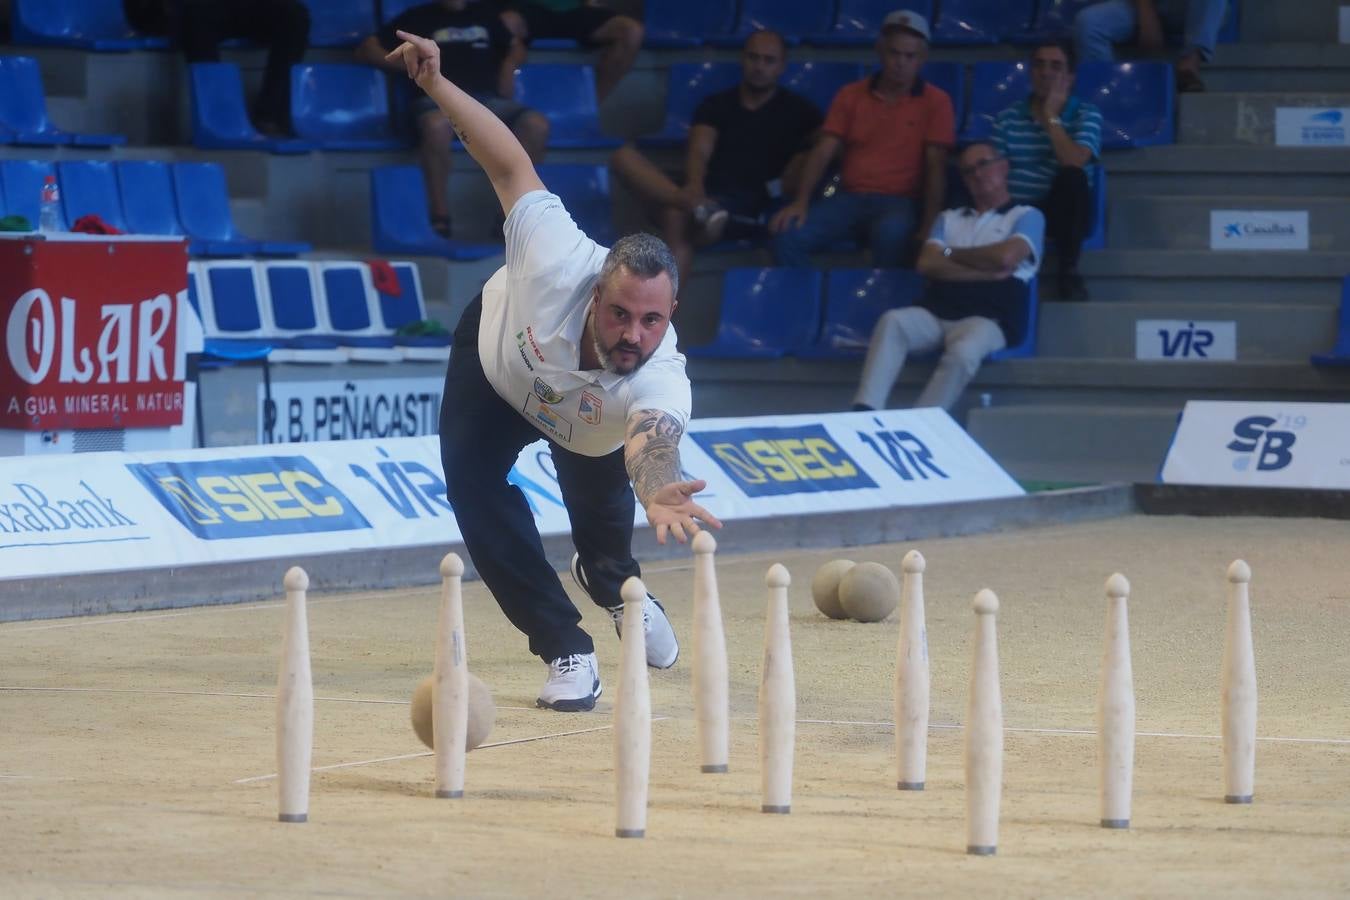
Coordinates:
[421,57]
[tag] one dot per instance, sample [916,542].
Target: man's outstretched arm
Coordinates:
[488,140]
[651,450]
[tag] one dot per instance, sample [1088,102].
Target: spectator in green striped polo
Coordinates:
[1050,139]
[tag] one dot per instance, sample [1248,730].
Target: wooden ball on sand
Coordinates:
[482,711]
[825,587]
[869,592]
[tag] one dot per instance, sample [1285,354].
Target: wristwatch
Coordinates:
[946,251]
[1056,120]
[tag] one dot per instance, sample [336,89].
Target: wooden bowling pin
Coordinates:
[1239,691]
[711,702]
[777,698]
[984,733]
[911,680]
[295,704]
[1115,709]
[450,693]
[632,718]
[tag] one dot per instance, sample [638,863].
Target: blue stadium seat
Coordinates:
[4,206]
[765,314]
[820,81]
[1022,342]
[565,94]
[684,23]
[348,299]
[994,86]
[400,223]
[342,107]
[291,307]
[204,212]
[90,187]
[87,24]
[391,9]
[982,22]
[219,117]
[405,308]
[231,310]
[858,21]
[1055,18]
[1340,353]
[23,180]
[686,86]
[340,23]
[854,300]
[790,19]
[951,77]
[147,193]
[23,109]
[1096,239]
[584,190]
[1136,100]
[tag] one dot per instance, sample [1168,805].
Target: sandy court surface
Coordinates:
[133,747]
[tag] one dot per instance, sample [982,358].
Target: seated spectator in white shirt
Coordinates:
[979,261]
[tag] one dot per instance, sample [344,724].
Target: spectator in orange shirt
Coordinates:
[894,130]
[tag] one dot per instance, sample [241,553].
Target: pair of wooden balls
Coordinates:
[482,712]
[867,591]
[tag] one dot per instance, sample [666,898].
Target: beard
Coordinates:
[605,355]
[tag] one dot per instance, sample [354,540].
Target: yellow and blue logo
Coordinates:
[255,497]
[768,462]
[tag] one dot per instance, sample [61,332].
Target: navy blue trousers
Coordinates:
[481,437]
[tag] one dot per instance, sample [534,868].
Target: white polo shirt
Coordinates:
[534,315]
[964,227]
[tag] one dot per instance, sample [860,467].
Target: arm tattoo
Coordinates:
[459,132]
[654,461]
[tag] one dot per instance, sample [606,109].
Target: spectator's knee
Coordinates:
[436,132]
[1090,22]
[628,33]
[532,130]
[964,357]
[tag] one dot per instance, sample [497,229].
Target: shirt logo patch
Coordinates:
[520,348]
[547,419]
[589,409]
[538,354]
[546,392]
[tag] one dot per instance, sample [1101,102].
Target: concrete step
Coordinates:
[1076,443]
[1223,170]
[1264,331]
[1306,20]
[1248,117]
[1317,66]
[1184,277]
[1183,222]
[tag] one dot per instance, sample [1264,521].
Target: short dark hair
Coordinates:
[644,255]
[782,41]
[1063,45]
[979,142]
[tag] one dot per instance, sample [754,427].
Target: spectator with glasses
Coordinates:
[979,261]
[1050,139]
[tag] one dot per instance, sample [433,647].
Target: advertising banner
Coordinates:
[1258,229]
[1185,341]
[1311,126]
[115,511]
[305,411]
[91,333]
[1266,444]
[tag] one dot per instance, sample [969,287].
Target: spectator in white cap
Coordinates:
[891,132]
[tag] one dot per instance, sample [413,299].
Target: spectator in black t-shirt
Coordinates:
[480,55]
[199,27]
[744,152]
[616,38]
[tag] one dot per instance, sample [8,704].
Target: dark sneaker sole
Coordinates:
[577,704]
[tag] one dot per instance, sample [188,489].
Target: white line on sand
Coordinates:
[64,690]
[371,762]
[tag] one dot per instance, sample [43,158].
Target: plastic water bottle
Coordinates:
[49,213]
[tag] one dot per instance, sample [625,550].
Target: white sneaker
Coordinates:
[573,684]
[662,646]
